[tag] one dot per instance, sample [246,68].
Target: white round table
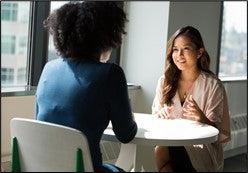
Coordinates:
[164,132]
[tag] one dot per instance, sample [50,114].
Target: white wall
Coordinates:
[144,46]
[23,107]
[237,97]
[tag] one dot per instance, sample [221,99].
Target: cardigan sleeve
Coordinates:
[124,126]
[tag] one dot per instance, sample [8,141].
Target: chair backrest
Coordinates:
[48,147]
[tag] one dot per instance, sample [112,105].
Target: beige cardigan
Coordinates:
[210,95]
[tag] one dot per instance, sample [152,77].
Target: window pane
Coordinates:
[14,42]
[8,44]
[233,54]
[5,11]
[21,76]
[7,76]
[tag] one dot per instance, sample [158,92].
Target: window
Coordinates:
[7,76]
[22,47]
[14,43]
[21,76]
[8,44]
[9,11]
[233,53]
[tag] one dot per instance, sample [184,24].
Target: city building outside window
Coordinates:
[14,42]
[22,47]
[21,76]
[7,76]
[8,44]
[233,53]
[9,11]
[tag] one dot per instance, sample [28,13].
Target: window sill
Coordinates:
[18,91]
[31,90]
[132,86]
[233,79]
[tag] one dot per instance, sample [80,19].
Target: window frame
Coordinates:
[38,43]
[37,48]
[224,79]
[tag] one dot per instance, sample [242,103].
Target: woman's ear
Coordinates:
[105,56]
[200,52]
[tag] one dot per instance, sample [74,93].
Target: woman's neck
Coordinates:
[189,75]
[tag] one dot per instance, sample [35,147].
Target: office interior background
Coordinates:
[26,47]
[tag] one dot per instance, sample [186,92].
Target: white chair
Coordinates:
[46,147]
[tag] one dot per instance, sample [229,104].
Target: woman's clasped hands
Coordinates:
[192,111]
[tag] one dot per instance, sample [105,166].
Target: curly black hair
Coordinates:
[86,29]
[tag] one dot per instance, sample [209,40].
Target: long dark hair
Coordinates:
[172,73]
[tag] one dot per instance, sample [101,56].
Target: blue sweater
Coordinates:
[86,95]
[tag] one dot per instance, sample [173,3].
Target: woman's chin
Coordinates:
[181,67]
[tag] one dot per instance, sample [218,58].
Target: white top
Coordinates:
[154,131]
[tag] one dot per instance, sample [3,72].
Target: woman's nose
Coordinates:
[180,52]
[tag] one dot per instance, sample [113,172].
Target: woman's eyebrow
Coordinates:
[188,44]
[185,45]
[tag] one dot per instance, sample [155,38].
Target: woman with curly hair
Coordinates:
[188,89]
[79,89]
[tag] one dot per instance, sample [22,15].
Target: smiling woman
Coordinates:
[187,73]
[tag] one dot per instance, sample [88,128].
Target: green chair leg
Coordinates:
[15,157]
[79,161]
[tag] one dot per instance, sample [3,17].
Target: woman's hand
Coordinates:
[193,112]
[164,112]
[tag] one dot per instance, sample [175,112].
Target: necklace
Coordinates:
[185,95]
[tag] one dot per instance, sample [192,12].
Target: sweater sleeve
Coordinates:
[124,126]
[218,112]
[156,106]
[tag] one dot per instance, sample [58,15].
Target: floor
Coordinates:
[234,164]
[237,163]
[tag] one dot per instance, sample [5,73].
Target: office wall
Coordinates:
[237,97]
[143,50]
[23,107]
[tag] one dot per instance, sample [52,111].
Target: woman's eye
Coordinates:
[174,50]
